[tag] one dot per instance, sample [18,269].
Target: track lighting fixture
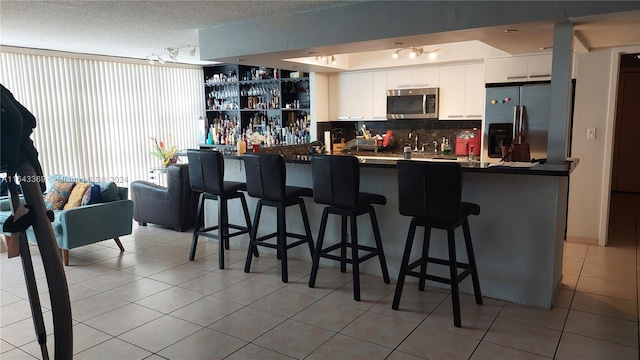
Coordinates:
[327,59]
[415,52]
[170,52]
[173,52]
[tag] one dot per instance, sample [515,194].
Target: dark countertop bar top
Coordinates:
[389,160]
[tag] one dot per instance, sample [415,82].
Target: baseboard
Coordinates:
[582,240]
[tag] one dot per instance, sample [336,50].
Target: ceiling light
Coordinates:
[398,43]
[193,51]
[415,52]
[327,59]
[310,52]
[161,60]
[173,52]
[510,31]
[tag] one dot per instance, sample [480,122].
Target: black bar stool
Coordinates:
[336,182]
[431,192]
[266,180]
[206,175]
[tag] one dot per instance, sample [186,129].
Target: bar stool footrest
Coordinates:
[215,236]
[372,252]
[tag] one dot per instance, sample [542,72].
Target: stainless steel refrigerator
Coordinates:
[511,109]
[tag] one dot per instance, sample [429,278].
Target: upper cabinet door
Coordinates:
[399,79]
[361,96]
[379,95]
[539,67]
[518,68]
[339,97]
[474,91]
[427,77]
[508,69]
[452,92]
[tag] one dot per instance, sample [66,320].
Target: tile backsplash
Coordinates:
[427,130]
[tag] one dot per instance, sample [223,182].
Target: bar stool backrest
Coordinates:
[206,171]
[336,180]
[266,176]
[429,190]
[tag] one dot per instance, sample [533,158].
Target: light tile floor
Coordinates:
[152,303]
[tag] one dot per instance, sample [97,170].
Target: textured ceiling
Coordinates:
[137,29]
[130,28]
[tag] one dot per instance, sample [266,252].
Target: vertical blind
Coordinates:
[95,118]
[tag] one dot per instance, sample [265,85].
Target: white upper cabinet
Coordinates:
[398,79]
[474,91]
[452,92]
[461,92]
[427,77]
[518,68]
[379,95]
[351,96]
[539,67]
[339,97]
[361,89]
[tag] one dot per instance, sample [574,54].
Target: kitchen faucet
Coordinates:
[416,139]
[435,147]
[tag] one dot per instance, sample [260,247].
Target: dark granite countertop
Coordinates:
[389,160]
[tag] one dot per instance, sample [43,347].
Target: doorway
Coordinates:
[626,171]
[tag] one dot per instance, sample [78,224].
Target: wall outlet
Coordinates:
[591,133]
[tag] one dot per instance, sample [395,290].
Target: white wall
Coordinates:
[596,89]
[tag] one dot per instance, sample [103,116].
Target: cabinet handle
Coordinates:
[404,85]
[474,116]
[454,116]
[540,76]
[343,118]
[421,85]
[380,117]
[357,117]
[516,77]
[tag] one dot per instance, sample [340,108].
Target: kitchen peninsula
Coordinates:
[518,236]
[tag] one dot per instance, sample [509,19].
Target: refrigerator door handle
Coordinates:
[515,121]
[521,125]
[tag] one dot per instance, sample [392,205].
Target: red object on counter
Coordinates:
[467,139]
[387,138]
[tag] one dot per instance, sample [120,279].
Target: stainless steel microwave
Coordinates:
[412,103]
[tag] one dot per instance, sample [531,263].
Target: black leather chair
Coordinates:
[430,192]
[172,206]
[266,180]
[336,182]
[206,172]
